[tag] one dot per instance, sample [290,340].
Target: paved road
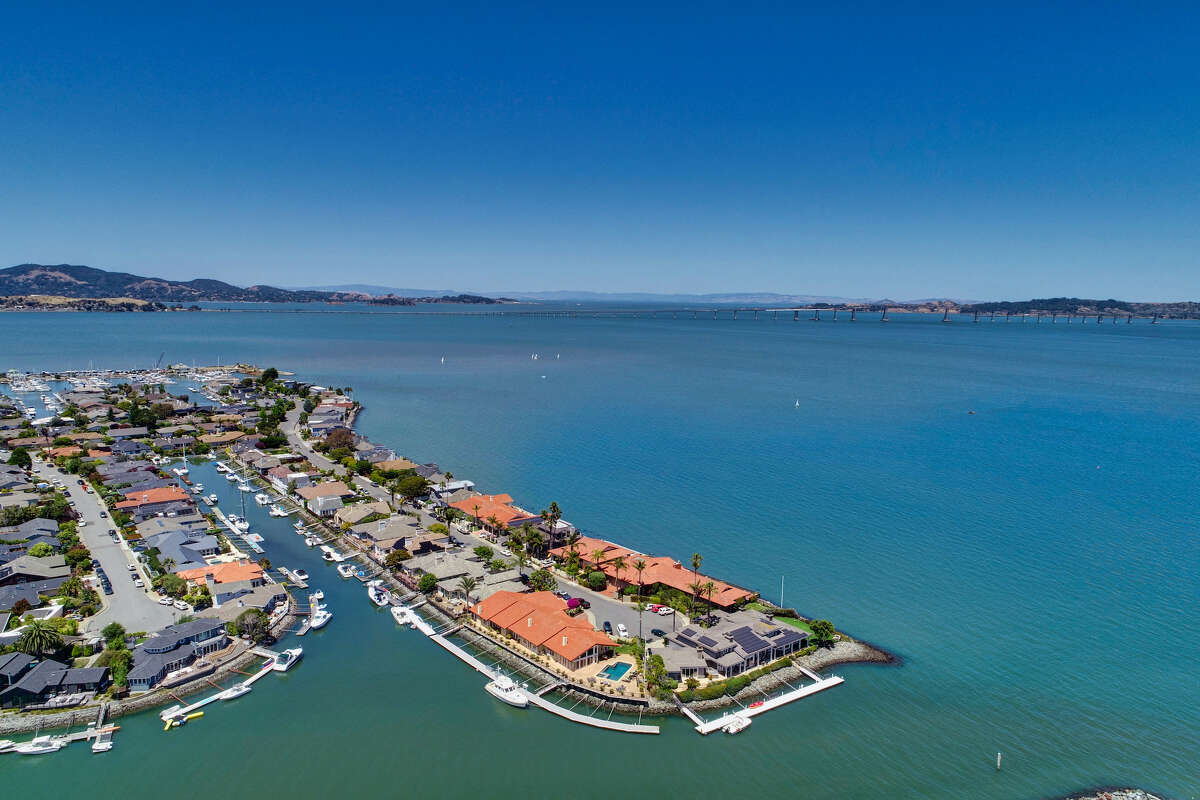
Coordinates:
[135,608]
[291,427]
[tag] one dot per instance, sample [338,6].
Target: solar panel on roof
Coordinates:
[708,642]
[748,641]
[688,632]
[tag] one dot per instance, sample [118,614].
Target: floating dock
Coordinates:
[236,531]
[821,685]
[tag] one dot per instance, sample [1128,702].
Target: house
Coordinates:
[48,679]
[540,622]
[659,571]
[13,666]
[187,522]
[173,648]
[395,465]
[353,515]
[18,500]
[323,499]
[383,536]
[324,506]
[30,591]
[452,566]
[227,572]
[219,439]
[184,549]
[741,641]
[128,433]
[143,504]
[128,449]
[39,526]
[232,599]
[30,569]
[495,512]
[442,491]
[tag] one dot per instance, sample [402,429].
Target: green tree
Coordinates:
[618,565]
[467,584]
[412,487]
[39,638]
[484,552]
[20,457]
[118,664]
[113,631]
[254,625]
[41,550]
[427,583]
[269,375]
[541,580]
[697,560]
[640,565]
[397,557]
[597,580]
[823,632]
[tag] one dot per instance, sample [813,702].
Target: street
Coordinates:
[136,609]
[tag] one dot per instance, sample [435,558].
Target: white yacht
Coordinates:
[301,574]
[379,596]
[319,618]
[505,690]
[237,690]
[298,526]
[277,511]
[346,570]
[403,615]
[311,541]
[6,745]
[287,659]
[212,499]
[738,724]
[261,498]
[229,476]
[39,745]
[243,487]
[103,742]
[198,488]
[317,595]
[221,467]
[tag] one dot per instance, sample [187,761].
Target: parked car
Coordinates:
[182,606]
[622,631]
[95,563]
[658,632]
[584,603]
[563,595]
[666,611]
[608,627]
[108,588]
[139,583]
[104,514]
[164,601]
[133,567]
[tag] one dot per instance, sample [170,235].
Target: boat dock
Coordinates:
[177,712]
[536,698]
[292,579]
[705,728]
[236,531]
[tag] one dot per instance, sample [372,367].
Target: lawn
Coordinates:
[795,623]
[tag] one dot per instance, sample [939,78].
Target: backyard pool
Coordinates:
[614,672]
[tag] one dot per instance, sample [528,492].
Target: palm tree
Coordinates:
[695,587]
[522,560]
[573,542]
[38,638]
[534,541]
[709,588]
[551,516]
[697,560]
[467,584]
[477,515]
[526,530]
[598,557]
[640,565]
[494,523]
[618,564]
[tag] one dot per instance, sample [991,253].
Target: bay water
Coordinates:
[1033,563]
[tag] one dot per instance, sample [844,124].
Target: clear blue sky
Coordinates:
[703,148]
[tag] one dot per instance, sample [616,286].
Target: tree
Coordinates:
[640,565]
[39,638]
[427,583]
[412,487]
[484,552]
[467,584]
[697,560]
[541,580]
[19,608]
[823,632]
[254,625]
[20,457]
[173,585]
[598,556]
[551,516]
[339,437]
[493,523]
[534,540]
[118,664]
[521,558]
[709,588]
[112,632]
[597,580]
[573,543]
[269,375]
[498,564]
[618,565]
[394,559]
[41,550]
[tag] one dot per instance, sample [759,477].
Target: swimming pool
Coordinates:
[614,672]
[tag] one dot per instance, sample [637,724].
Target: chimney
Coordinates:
[564,640]
[529,622]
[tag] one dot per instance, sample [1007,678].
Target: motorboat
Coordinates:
[39,745]
[317,595]
[6,745]
[330,556]
[738,724]
[319,617]
[277,511]
[198,488]
[103,742]
[298,527]
[243,487]
[287,659]
[403,616]
[212,499]
[301,574]
[261,498]
[221,467]
[504,689]
[242,525]
[311,541]
[237,690]
[229,476]
[346,570]
[379,596]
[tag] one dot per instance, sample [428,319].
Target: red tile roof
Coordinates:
[165,494]
[541,618]
[493,505]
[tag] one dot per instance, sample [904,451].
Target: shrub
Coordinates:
[428,582]
[597,580]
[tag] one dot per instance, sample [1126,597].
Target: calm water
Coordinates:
[1035,563]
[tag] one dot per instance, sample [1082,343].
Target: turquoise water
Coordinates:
[1034,563]
[614,672]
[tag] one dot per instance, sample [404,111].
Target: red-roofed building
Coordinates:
[659,570]
[486,507]
[229,572]
[540,622]
[143,501]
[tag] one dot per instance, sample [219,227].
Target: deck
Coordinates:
[821,685]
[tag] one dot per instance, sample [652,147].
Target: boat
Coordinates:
[346,570]
[39,745]
[298,526]
[738,724]
[317,595]
[403,616]
[379,596]
[277,511]
[237,690]
[319,617]
[301,574]
[505,690]
[330,556]
[6,745]
[103,742]
[242,525]
[311,541]
[243,487]
[287,659]
[229,476]
[221,467]
[212,499]
[198,488]
[179,471]
[261,498]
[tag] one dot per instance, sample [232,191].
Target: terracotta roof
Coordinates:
[541,618]
[164,494]
[493,505]
[230,572]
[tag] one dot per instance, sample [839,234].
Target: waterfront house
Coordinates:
[539,621]
[173,648]
[221,439]
[49,679]
[484,508]
[324,506]
[395,465]
[740,641]
[323,499]
[361,512]
[184,549]
[13,666]
[147,503]
[660,571]
[231,599]
[226,572]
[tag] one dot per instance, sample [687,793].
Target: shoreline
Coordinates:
[1112,793]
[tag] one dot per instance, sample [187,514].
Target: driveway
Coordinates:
[291,428]
[136,609]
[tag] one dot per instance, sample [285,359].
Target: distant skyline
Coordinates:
[1006,153]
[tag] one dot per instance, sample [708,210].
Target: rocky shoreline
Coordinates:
[1113,794]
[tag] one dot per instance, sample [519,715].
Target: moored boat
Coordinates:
[505,690]
[738,724]
[237,690]
[261,498]
[319,617]
[346,570]
[39,745]
[287,659]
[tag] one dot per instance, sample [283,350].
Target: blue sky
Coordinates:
[894,150]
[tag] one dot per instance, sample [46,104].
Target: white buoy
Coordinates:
[997,760]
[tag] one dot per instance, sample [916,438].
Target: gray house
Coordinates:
[172,648]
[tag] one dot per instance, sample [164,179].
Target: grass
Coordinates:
[795,623]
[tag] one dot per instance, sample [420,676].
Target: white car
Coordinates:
[622,631]
[666,611]
[81,523]
[182,606]
[164,601]
[139,583]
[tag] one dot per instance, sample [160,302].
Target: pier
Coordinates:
[236,531]
[705,728]
[536,698]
